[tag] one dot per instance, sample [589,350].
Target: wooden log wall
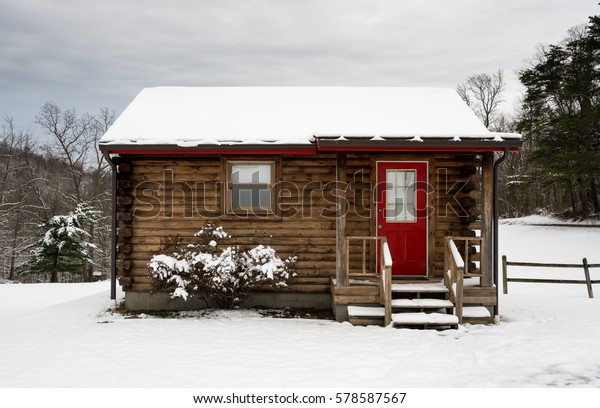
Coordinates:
[161,197]
[457,203]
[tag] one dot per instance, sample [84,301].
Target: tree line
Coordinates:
[42,182]
[55,196]
[558,169]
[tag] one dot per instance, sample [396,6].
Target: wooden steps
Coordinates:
[415,305]
[419,288]
[425,320]
[421,304]
[424,305]
[372,315]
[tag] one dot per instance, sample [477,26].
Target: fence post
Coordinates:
[504,277]
[588,281]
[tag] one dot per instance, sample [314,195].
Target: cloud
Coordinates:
[95,53]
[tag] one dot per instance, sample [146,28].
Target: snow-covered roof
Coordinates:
[190,117]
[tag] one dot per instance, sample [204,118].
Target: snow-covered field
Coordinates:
[61,335]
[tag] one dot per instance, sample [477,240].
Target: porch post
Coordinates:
[487,217]
[341,274]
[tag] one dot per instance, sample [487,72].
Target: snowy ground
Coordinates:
[61,335]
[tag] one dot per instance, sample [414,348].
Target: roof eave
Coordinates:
[162,149]
[322,145]
[425,144]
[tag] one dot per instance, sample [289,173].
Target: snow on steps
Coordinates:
[365,315]
[424,319]
[422,303]
[419,287]
[378,311]
[419,305]
[374,314]
[404,319]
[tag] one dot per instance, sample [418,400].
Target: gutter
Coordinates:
[113,227]
[495,228]
[411,145]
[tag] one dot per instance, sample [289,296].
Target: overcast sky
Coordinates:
[90,54]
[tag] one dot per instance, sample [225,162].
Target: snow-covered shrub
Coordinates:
[226,276]
[233,273]
[181,273]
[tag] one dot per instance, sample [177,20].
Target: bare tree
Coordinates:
[98,191]
[97,168]
[17,204]
[75,143]
[37,183]
[483,93]
[72,141]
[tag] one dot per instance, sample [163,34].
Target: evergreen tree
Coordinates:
[64,247]
[561,116]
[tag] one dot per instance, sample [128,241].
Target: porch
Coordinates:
[426,268]
[464,295]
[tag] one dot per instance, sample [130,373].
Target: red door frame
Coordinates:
[422,205]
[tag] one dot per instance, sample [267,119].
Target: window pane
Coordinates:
[400,196]
[264,198]
[250,187]
[259,198]
[241,197]
[251,174]
[410,179]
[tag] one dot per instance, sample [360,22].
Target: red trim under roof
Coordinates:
[213,151]
[414,149]
[325,145]
[314,151]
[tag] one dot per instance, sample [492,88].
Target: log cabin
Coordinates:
[386,195]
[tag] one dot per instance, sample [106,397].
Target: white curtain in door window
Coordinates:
[400,196]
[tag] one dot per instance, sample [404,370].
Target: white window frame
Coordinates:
[249,210]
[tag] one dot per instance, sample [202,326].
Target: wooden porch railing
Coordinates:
[386,280]
[364,240]
[457,267]
[384,274]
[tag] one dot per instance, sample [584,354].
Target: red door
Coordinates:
[402,214]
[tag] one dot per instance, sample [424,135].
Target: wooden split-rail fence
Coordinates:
[584,264]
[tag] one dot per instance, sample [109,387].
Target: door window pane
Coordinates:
[400,196]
